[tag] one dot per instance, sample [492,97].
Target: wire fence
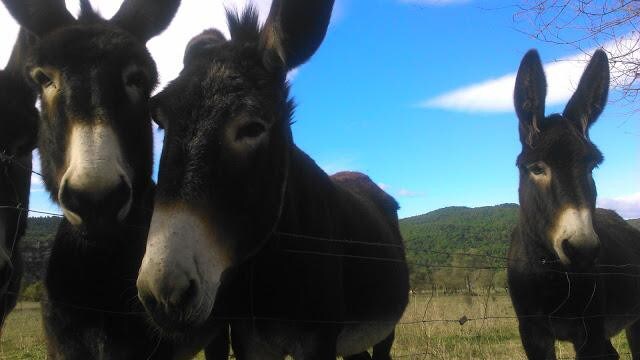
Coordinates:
[476,321]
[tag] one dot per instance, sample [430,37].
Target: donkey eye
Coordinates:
[135,79]
[41,78]
[251,130]
[536,169]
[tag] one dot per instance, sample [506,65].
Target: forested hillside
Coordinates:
[443,246]
[36,246]
[446,247]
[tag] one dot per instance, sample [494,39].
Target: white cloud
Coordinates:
[627,206]
[435,2]
[36,179]
[167,49]
[409,193]
[10,32]
[191,19]
[292,74]
[402,192]
[496,95]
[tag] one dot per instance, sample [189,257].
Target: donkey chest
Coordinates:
[356,338]
[352,339]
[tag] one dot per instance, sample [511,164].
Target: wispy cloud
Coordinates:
[402,192]
[627,206]
[292,74]
[496,95]
[435,2]
[36,179]
[409,193]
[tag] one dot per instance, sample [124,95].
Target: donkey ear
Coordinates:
[39,16]
[146,18]
[529,96]
[24,42]
[295,29]
[201,44]
[590,98]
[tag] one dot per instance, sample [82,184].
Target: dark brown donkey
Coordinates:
[94,78]
[574,270]
[18,133]
[304,263]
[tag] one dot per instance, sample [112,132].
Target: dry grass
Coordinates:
[475,339]
[417,338]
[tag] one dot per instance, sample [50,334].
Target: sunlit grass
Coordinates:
[420,337]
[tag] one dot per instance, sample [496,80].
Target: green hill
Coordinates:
[443,244]
[436,241]
[36,246]
[460,229]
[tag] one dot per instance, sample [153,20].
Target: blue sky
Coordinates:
[416,93]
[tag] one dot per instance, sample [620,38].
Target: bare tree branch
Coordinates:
[587,24]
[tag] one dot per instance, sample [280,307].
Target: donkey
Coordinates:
[573,270]
[301,263]
[94,79]
[19,125]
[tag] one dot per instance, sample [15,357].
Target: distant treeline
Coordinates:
[453,249]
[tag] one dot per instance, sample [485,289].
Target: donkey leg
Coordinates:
[218,348]
[595,348]
[633,337]
[319,344]
[247,345]
[382,350]
[537,340]
[362,356]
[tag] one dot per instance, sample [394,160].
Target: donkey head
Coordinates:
[225,160]
[557,191]
[18,133]
[94,79]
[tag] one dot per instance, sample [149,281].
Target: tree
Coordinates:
[587,24]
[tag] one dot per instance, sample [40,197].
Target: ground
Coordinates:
[431,329]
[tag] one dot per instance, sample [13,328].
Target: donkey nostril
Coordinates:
[148,301]
[116,199]
[581,256]
[96,204]
[72,199]
[182,297]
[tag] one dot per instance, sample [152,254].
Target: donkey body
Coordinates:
[95,78]
[330,298]
[246,227]
[574,271]
[18,124]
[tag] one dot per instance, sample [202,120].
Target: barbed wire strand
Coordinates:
[423,320]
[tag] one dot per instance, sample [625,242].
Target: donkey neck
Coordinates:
[309,201]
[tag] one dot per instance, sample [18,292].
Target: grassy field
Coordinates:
[421,336]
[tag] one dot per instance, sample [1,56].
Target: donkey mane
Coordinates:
[389,204]
[568,131]
[244,25]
